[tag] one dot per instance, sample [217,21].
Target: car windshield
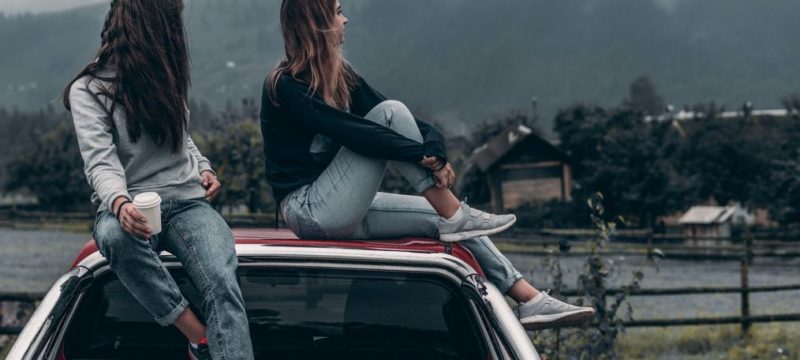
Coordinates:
[297,314]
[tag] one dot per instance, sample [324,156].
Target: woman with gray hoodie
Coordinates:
[130,116]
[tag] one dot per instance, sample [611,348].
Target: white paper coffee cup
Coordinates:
[149,204]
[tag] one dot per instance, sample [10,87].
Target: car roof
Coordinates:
[285,238]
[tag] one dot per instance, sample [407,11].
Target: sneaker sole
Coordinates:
[459,236]
[540,322]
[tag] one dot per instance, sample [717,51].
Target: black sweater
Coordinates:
[289,129]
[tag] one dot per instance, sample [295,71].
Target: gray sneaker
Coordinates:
[473,223]
[547,312]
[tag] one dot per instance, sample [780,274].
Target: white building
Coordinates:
[714,221]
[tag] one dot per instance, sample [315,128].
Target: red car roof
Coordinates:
[284,237]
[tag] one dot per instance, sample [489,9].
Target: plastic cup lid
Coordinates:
[147,199]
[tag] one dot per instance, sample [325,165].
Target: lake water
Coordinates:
[33,260]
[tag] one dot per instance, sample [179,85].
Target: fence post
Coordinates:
[745,265]
[558,344]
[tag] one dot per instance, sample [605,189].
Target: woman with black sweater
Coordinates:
[328,139]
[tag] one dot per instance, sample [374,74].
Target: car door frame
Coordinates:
[36,339]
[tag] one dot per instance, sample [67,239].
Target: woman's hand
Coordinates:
[133,221]
[445,177]
[211,184]
[432,163]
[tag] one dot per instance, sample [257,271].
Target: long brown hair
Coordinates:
[144,42]
[313,51]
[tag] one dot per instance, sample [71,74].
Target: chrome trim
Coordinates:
[511,327]
[102,270]
[30,337]
[486,331]
[327,255]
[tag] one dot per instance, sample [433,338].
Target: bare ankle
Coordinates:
[443,201]
[522,291]
[190,326]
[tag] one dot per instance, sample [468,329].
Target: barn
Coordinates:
[520,166]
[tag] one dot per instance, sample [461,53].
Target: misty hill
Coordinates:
[462,59]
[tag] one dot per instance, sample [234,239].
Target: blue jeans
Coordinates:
[344,202]
[201,240]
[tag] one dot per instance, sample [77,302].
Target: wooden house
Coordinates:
[522,167]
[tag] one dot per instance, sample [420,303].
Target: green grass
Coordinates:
[766,341]
[4,350]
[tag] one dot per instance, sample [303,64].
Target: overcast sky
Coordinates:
[36,6]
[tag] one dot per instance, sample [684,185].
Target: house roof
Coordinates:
[691,115]
[707,215]
[492,151]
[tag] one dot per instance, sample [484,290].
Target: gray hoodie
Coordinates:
[115,166]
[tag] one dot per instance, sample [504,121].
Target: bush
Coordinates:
[237,156]
[595,339]
[553,214]
[52,169]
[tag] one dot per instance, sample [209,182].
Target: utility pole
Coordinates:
[535,108]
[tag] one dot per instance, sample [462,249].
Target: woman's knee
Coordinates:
[393,105]
[117,246]
[392,113]
[109,235]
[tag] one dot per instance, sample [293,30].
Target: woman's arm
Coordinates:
[208,177]
[365,98]
[351,131]
[202,162]
[93,124]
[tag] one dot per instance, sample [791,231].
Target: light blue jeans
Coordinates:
[201,240]
[344,202]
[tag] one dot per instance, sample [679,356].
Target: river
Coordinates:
[32,260]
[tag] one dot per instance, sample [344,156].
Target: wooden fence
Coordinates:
[747,252]
[745,318]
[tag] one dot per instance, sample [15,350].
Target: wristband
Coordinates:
[119,208]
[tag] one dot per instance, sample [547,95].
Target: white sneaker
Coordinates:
[543,312]
[472,223]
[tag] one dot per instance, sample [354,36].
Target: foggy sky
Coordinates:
[38,6]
